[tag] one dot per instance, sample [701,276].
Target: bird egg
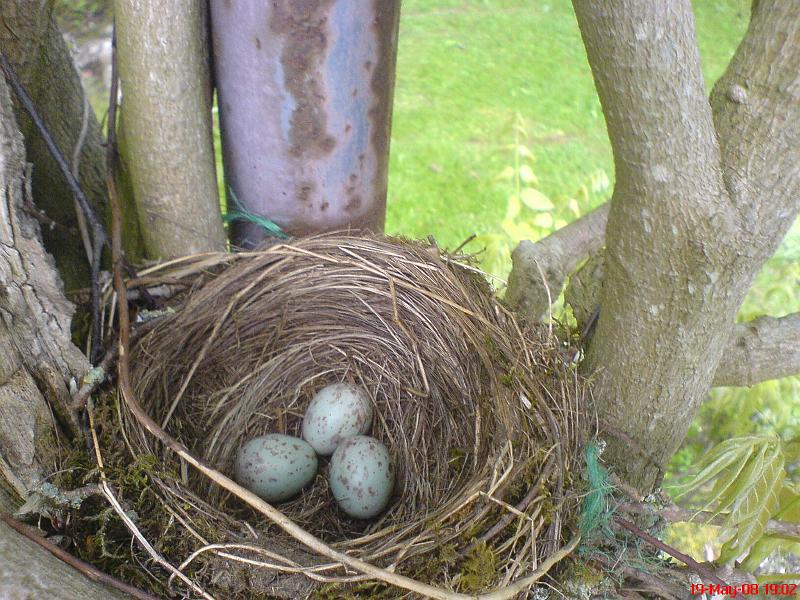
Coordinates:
[336,412]
[361,477]
[275,466]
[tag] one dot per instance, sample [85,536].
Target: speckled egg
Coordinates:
[361,477]
[275,466]
[336,412]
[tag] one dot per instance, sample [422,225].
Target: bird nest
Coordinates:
[484,417]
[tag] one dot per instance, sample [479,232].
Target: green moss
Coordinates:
[337,591]
[479,570]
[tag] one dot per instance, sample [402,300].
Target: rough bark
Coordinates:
[166,119]
[540,269]
[28,572]
[583,292]
[30,38]
[37,357]
[763,349]
[759,350]
[691,221]
[37,360]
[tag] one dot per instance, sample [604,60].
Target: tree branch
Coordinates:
[555,256]
[673,513]
[166,119]
[759,350]
[756,108]
[763,349]
[89,571]
[702,570]
[99,237]
[668,193]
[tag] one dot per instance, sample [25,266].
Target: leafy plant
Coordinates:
[744,480]
[530,213]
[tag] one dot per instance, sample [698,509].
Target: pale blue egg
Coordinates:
[361,477]
[275,466]
[336,412]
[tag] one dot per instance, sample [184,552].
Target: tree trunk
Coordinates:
[166,122]
[33,44]
[37,360]
[691,219]
[305,98]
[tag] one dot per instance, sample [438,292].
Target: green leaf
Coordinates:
[760,550]
[758,502]
[736,496]
[728,478]
[716,460]
[535,200]
[543,220]
[527,175]
[791,450]
[572,204]
[507,173]
[789,504]
[760,486]
[599,181]
[524,152]
[519,230]
[513,208]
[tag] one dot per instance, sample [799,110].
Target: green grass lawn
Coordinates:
[467,71]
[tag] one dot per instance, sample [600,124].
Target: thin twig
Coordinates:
[626,488]
[673,513]
[506,519]
[464,243]
[37,213]
[87,389]
[695,566]
[98,231]
[654,585]
[86,569]
[76,162]
[129,524]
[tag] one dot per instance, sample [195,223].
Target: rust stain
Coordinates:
[304,191]
[324,206]
[299,227]
[303,25]
[353,202]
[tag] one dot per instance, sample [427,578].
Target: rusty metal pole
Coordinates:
[305,98]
